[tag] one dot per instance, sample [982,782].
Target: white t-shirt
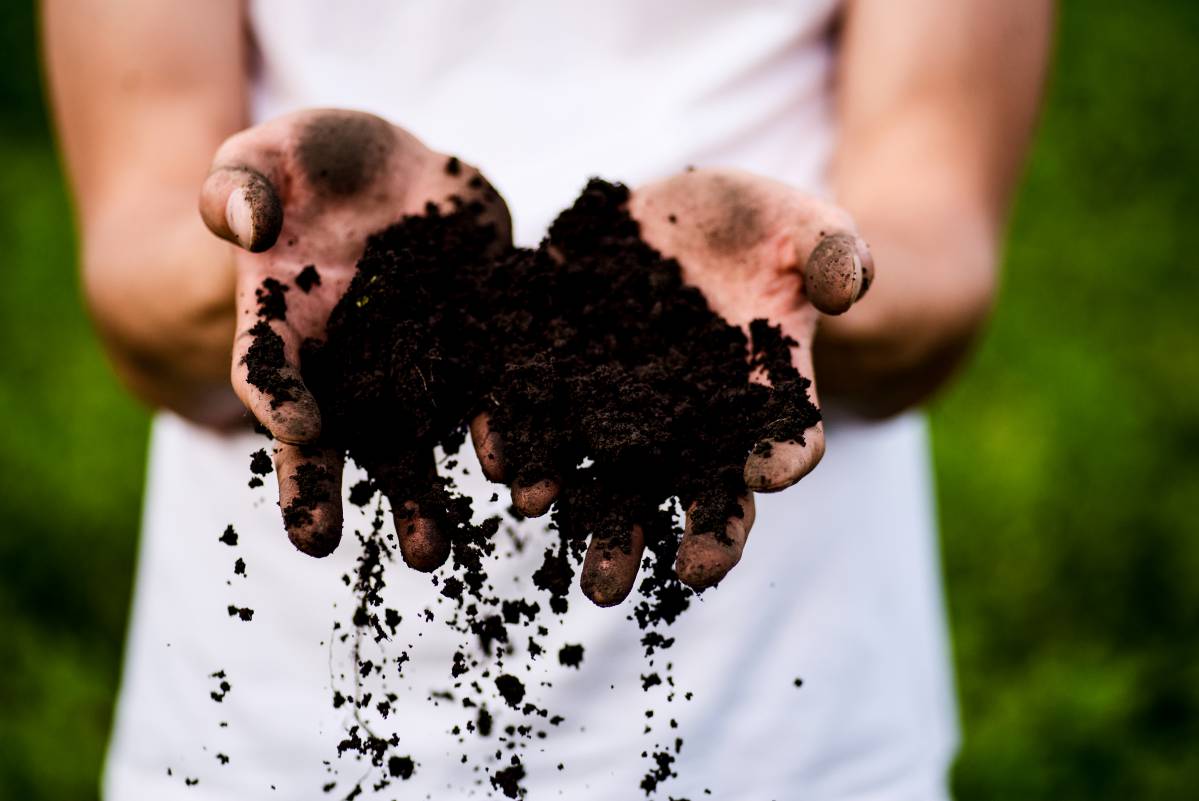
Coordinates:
[839,583]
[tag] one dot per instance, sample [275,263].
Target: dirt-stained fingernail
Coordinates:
[833,274]
[254,214]
[774,466]
[610,567]
[534,500]
[421,544]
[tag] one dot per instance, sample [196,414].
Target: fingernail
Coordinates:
[702,561]
[240,218]
[783,463]
[832,275]
[533,500]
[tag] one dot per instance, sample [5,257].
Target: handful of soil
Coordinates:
[600,370]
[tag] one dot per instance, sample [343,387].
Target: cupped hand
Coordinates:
[755,248]
[302,190]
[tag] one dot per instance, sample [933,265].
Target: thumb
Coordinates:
[240,204]
[838,272]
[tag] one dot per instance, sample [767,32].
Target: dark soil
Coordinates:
[588,348]
[599,368]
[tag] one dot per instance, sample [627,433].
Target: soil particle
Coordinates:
[511,689]
[483,722]
[308,278]
[272,300]
[229,537]
[260,463]
[571,656]
[223,687]
[265,365]
[400,767]
[662,770]
[243,612]
[508,780]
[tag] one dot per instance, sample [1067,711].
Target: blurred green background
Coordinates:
[1066,455]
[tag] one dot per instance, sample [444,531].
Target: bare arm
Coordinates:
[144,92]
[937,103]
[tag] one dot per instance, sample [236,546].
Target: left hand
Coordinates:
[756,248]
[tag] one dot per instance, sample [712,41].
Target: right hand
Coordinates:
[308,189]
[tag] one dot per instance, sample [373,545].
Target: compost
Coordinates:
[600,370]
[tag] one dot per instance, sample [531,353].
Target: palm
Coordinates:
[307,189]
[756,248]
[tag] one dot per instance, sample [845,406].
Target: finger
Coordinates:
[838,272]
[423,545]
[310,496]
[775,464]
[239,203]
[266,371]
[416,506]
[610,567]
[535,499]
[488,447]
[705,557]
[531,499]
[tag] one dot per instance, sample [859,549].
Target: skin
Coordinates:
[936,102]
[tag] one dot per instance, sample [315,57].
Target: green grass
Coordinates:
[1066,455]
[71,456]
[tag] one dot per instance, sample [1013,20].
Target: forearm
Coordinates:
[160,289]
[143,92]
[936,106]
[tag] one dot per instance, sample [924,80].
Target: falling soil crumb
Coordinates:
[508,780]
[799,682]
[223,687]
[400,767]
[260,463]
[245,613]
[308,278]
[571,655]
[222,758]
[511,689]
[229,536]
[239,567]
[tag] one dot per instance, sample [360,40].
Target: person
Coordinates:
[901,125]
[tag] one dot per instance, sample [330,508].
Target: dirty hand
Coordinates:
[307,189]
[755,248]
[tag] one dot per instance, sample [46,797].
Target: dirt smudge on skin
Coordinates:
[342,154]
